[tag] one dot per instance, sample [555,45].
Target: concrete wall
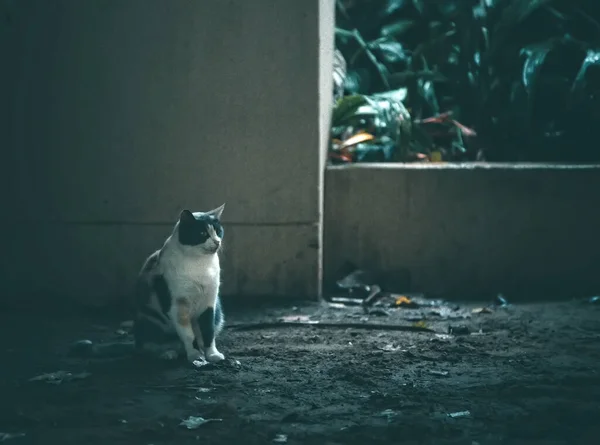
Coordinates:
[468,231]
[118,114]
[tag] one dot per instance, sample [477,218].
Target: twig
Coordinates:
[346,301]
[284,324]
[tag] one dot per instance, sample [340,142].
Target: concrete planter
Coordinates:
[468,230]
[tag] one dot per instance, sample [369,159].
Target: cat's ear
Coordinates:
[186,216]
[216,212]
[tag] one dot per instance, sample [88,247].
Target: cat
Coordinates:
[178,308]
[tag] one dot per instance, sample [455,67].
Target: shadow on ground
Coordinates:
[529,375]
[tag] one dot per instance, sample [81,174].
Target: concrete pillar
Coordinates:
[121,113]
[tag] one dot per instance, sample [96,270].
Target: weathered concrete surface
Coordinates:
[92,263]
[468,231]
[120,114]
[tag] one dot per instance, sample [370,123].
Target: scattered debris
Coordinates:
[390,348]
[81,348]
[293,318]
[193,422]
[316,324]
[280,438]
[357,281]
[232,362]
[121,332]
[346,301]
[336,306]
[441,337]
[374,296]
[404,301]
[200,363]
[379,311]
[459,330]
[439,373]
[459,414]
[482,310]
[7,436]
[501,301]
[421,301]
[56,378]
[111,349]
[389,413]
[420,324]
[448,313]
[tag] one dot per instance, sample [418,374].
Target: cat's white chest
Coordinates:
[194,279]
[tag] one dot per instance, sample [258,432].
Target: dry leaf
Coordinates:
[482,310]
[436,156]
[403,300]
[193,422]
[357,139]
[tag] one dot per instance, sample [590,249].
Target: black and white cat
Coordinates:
[177,292]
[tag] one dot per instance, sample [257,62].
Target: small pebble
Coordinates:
[81,348]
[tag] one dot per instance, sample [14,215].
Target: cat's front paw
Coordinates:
[214,356]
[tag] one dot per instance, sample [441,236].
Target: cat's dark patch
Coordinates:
[193,232]
[142,293]
[206,322]
[163,294]
[218,320]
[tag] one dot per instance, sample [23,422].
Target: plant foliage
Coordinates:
[465,80]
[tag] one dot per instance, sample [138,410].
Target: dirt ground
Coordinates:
[527,374]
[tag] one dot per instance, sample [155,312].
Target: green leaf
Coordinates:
[400,79]
[513,15]
[398,95]
[391,51]
[346,108]
[397,29]
[580,84]
[535,57]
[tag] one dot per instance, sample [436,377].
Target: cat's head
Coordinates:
[201,231]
